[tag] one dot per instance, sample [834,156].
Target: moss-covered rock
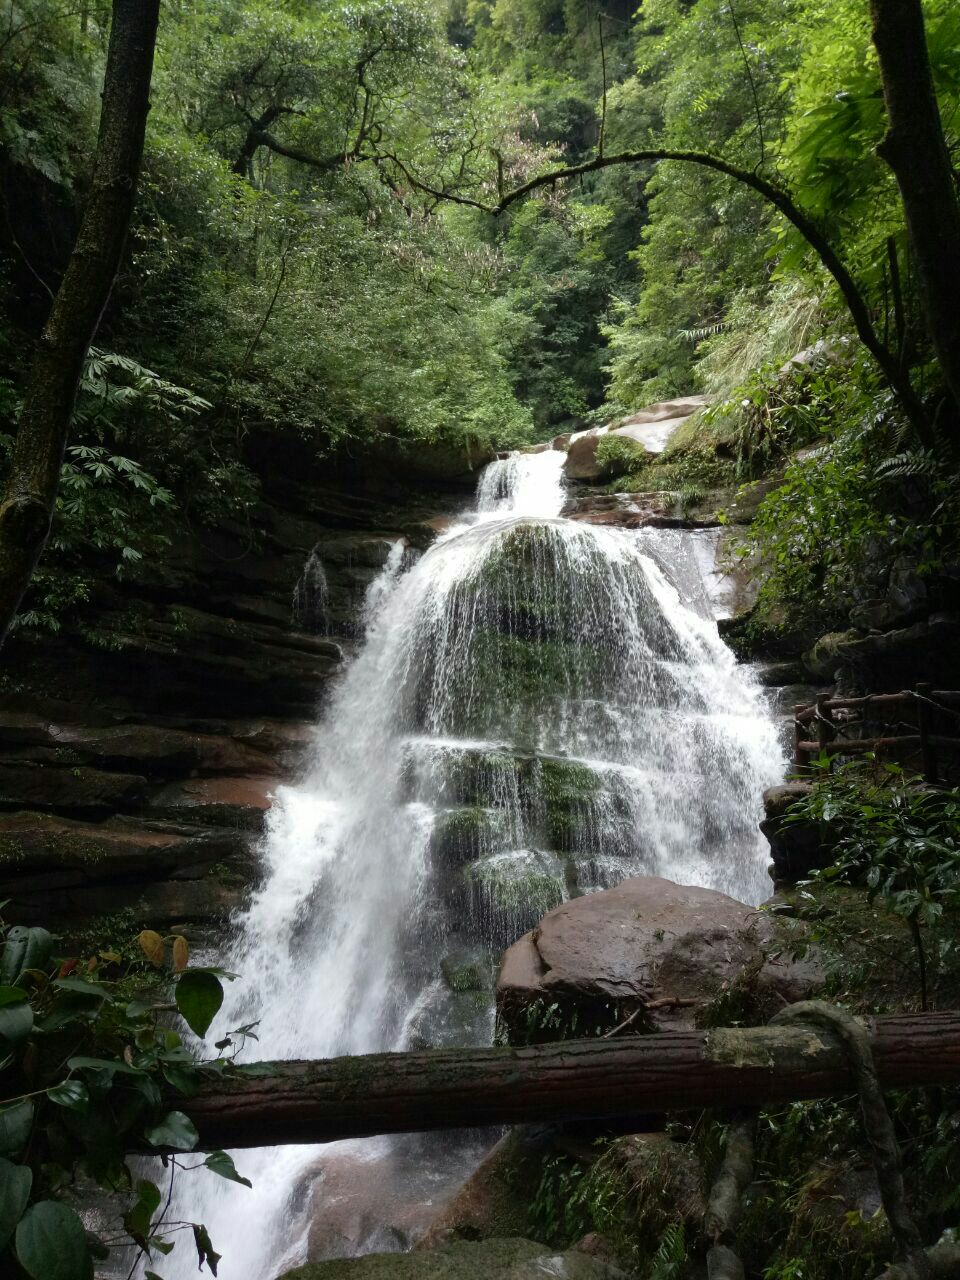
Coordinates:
[508,892]
[460,835]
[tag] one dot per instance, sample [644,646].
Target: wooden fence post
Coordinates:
[928,750]
[825,731]
[798,755]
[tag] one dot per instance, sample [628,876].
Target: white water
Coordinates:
[450,712]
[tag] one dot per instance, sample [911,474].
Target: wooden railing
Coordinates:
[922,711]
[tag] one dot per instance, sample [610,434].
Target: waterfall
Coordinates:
[309,605]
[536,711]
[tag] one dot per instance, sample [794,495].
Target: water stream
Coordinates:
[540,708]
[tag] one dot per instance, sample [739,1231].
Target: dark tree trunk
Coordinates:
[31,490]
[579,1079]
[915,149]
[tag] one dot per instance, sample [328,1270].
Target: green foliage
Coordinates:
[898,840]
[87,1063]
[618,455]
[559,1211]
[851,501]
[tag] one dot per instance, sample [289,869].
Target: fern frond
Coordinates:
[909,463]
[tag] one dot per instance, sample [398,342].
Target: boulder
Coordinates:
[907,589]
[495,1259]
[797,848]
[595,959]
[650,427]
[829,653]
[891,660]
[875,615]
[495,1200]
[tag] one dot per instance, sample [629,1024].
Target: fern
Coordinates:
[909,463]
[671,1254]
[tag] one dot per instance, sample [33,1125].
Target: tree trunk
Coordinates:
[915,149]
[31,489]
[303,1102]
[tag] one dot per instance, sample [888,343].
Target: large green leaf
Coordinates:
[70,1093]
[138,1217]
[51,1243]
[222,1163]
[16,1022]
[15,1122]
[175,1130]
[199,997]
[15,1183]
[11,995]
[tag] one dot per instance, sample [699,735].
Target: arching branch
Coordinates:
[776,195]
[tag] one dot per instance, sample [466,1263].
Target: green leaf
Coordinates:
[221,1163]
[205,1250]
[15,1122]
[110,1065]
[51,1243]
[11,995]
[137,1219]
[199,997]
[175,1130]
[70,1093]
[185,1079]
[15,1183]
[82,987]
[16,1022]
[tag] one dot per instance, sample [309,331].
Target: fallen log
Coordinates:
[323,1101]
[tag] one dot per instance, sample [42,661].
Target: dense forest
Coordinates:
[279,281]
[299,242]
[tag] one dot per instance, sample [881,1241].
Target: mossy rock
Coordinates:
[461,835]
[496,1259]
[509,892]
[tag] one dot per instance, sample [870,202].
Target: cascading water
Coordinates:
[535,712]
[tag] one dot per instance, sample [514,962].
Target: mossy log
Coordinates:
[324,1101]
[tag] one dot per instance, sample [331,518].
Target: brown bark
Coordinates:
[305,1102]
[31,489]
[915,149]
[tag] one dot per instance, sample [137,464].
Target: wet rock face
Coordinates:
[650,428]
[506,1259]
[97,818]
[594,960]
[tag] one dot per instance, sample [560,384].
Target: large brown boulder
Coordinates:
[594,960]
[651,427]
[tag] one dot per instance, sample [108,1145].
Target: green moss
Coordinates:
[618,455]
[569,794]
[460,835]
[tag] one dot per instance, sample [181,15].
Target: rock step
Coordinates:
[494,1259]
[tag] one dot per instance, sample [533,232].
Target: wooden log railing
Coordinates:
[324,1101]
[925,705]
